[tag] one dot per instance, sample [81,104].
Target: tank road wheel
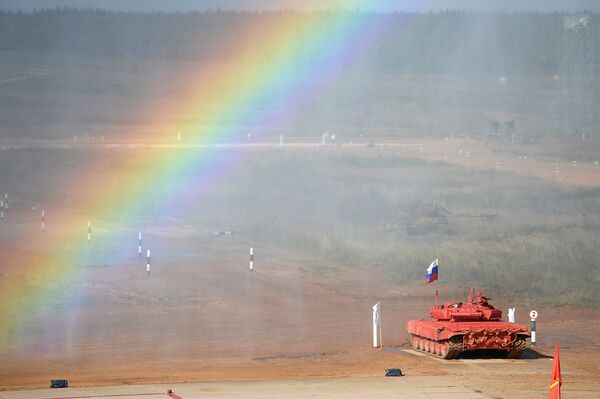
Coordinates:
[519,346]
[433,347]
[438,348]
[415,342]
[426,344]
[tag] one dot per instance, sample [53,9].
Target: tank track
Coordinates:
[519,346]
[455,347]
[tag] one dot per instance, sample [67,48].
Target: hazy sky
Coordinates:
[377,5]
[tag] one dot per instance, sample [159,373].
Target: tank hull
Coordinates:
[450,338]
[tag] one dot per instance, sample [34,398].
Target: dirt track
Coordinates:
[479,155]
[469,153]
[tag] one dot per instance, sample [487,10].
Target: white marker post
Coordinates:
[43,220]
[89,231]
[377,342]
[251,266]
[140,244]
[511,315]
[533,314]
[148,262]
[178,136]
[1,209]
[6,201]
[281,139]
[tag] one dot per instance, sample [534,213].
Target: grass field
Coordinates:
[335,203]
[543,242]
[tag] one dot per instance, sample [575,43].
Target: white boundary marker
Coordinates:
[251,264]
[148,261]
[377,341]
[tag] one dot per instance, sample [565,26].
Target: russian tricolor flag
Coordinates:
[432,272]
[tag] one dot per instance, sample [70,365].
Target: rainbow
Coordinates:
[267,76]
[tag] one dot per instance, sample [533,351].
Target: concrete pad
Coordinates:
[417,387]
[523,366]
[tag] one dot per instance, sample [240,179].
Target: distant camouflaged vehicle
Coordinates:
[456,327]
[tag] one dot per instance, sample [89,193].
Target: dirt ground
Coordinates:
[478,154]
[203,316]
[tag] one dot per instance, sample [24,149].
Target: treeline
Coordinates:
[435,42]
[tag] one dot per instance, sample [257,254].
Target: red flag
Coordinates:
[556,377]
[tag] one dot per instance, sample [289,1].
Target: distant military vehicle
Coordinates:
[422,217]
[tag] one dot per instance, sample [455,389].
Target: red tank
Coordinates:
[456,327]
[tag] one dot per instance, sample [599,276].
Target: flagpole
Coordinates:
[436,283]
[436,293]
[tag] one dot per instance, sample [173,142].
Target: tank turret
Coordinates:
[475,309]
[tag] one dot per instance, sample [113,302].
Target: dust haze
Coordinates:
[349,148]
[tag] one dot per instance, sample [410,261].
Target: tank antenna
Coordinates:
[436,293]
[471,295]
[436,287]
